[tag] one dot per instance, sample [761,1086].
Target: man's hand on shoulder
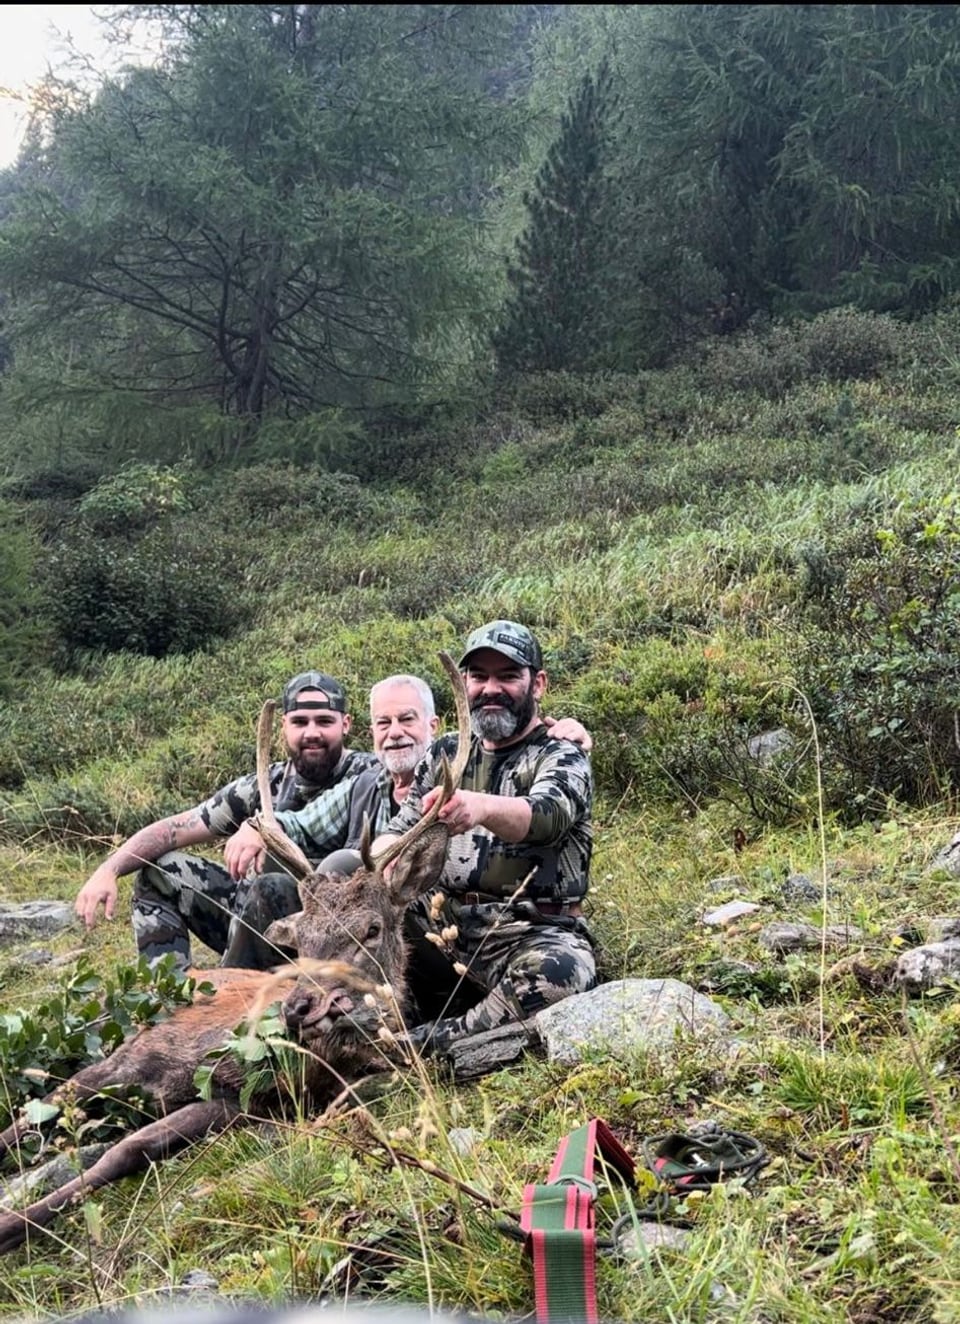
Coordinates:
[568,728]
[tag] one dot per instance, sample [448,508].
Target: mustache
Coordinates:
[504,701]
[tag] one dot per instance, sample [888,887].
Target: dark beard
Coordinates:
[316,765]
[512,716]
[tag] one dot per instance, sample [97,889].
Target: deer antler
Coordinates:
[451,773]
[274,838]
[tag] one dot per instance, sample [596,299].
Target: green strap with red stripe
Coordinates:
[558,1219]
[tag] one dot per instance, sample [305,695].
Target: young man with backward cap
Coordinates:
[519,856]
[403,722]
[176,894]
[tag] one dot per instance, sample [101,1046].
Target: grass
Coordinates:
[656,548]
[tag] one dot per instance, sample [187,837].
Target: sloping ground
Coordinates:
[702,565]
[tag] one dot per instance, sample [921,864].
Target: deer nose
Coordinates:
[297,1007]
[305,1007]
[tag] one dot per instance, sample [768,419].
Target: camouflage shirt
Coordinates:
[554,777]
[227,808]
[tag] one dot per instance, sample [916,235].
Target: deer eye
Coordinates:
[374,930]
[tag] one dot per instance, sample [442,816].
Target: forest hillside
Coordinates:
[344,329]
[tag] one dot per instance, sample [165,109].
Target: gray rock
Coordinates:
[638,1241]
[799,890]
[769,746]
[948,859]
[35,957]
[925,967]
[57,1171]
[941,927]
[627,1015]
[33,919]
[463,1139]
[198,1280]
[733,910]
[725,883]
[781,938]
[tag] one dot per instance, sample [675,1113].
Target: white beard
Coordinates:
[402,760]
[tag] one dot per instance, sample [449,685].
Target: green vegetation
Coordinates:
[703,563]
[255,416]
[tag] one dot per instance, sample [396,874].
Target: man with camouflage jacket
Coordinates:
[509,899]
[176,894]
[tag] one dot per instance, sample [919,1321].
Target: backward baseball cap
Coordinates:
[507,637]
[314,680]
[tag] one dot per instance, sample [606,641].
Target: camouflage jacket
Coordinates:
[554,776]
[227,808]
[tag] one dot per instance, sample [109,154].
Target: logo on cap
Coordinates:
[507,637]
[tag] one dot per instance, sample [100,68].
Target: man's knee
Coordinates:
[262,900]
[169,874]
[543,976]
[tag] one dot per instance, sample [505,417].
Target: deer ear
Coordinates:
[283,932]
[420,866]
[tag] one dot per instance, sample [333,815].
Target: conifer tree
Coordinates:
[557,314]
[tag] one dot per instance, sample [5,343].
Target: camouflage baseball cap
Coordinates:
[507,637]
[314,680]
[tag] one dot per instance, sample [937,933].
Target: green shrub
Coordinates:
[21,631]
[137,497]
[672,722]
[839,345]
[845,344]
[172,592]
[549,397]
[67,482]
[266,493]
[85,1019]
[880,657]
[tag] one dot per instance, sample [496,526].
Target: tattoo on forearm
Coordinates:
[153,841]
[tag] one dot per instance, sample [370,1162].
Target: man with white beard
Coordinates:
[403,722]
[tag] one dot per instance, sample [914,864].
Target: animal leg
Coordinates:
[131,1154]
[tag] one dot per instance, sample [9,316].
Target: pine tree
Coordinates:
[557,315]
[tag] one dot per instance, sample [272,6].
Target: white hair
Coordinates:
[424,692]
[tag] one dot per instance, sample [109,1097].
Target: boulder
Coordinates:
[627,1015]
[33,919]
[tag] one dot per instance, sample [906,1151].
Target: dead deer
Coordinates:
[346,985]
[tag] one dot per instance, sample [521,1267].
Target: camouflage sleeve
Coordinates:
[322,825]
[561,793]
[232,805]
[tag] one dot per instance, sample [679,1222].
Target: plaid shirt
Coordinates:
[324,824]
[234,803]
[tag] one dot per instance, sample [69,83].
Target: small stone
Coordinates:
[733,910]
[799,890]
[727,882]
[33,919]
[639,1240]
[767,747]
[463,1139]
[198,1280]
[781,938]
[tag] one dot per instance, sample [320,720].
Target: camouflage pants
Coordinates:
[179,895]
[518,962]
[265,898]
